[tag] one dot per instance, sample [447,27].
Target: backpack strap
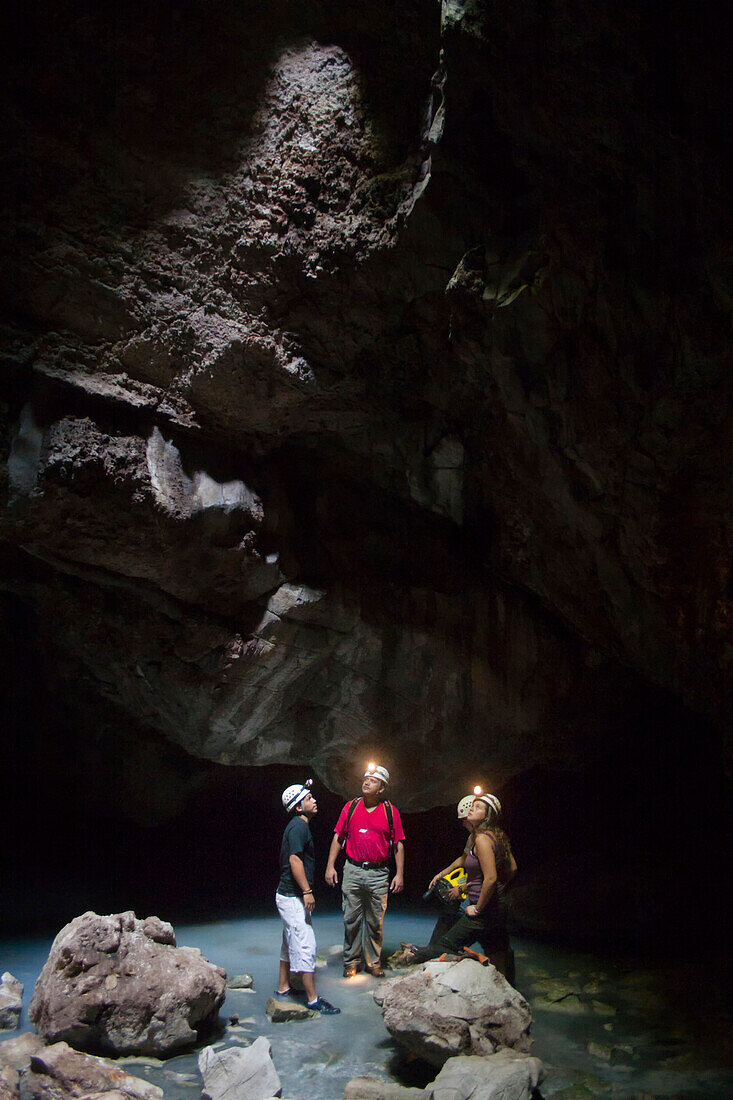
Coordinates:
[390,823]
[350,813]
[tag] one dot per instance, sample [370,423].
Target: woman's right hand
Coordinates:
[434,879]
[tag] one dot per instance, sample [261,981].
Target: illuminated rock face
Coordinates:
[363,398]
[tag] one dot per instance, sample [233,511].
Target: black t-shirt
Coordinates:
[297,841]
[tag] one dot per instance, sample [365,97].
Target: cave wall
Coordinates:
[363,378]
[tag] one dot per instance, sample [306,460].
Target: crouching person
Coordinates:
[294,898]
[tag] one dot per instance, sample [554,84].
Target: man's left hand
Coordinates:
[396,884]
[471,911]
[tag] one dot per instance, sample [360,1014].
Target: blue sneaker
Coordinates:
[324,1007]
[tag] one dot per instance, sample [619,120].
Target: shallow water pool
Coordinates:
[603,1027]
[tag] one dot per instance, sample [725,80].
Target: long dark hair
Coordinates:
[502,844]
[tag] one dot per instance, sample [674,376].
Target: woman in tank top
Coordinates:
[490,867]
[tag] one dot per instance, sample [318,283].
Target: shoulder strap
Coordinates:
[390,823]
[350,813]
[390,819]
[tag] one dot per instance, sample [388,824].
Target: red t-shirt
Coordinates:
[369,831]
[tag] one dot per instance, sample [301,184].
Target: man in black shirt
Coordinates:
[294,898]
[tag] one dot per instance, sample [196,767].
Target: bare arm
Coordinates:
[331,872]
[484,851]
[398,881]
[298,869]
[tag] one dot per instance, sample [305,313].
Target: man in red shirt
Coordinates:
[369,837]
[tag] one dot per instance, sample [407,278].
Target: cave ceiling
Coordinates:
[364,380]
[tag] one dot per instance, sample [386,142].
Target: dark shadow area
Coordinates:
[120,101]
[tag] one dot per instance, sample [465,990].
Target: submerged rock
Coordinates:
[448,1008]
[240,981]
[11,1001]
[120,984]
[238,1072]
[59,1072]
[370,1088]
[281,1011]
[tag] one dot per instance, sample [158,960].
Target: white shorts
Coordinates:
[299,940]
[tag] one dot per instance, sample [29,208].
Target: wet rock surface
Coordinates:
[506,1075]
[119,984]
[11,1001]
[387,353]
[59,1073]
[442,1009]
[280,1011]
[235,1072]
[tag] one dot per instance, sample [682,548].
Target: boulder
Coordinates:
[506,1075]
[239,1072]
[119,984]
[59,1072]
[11,1001]
[369,1088]
[281,1011]
[443,1009]
[15,1056]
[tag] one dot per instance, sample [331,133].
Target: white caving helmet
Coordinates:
[293,796]
[464,806]
[378,772]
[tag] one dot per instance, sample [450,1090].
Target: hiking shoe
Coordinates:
[376,971]
[282,996]
[324,1007]
[405,956]
[350,971]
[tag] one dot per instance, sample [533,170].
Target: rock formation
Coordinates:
[442,1009]
[11,1001]
[238,1072]
[62,1073]
[363,374]
[506,1075]
[121,985]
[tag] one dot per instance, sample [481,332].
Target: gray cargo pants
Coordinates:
[364,902]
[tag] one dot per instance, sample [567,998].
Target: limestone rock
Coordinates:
[11,1001]
[506,1075]
[370,1088]
[237,1072]
[9,1082]
[320,347]
[282,1011]
[59,1072]
[443,1009]
[120,984]
[240,981]
[17,1052]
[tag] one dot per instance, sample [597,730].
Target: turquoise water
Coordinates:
[603,1027]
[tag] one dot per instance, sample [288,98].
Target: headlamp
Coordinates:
[477,791]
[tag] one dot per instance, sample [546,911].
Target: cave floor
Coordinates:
[603,1026]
